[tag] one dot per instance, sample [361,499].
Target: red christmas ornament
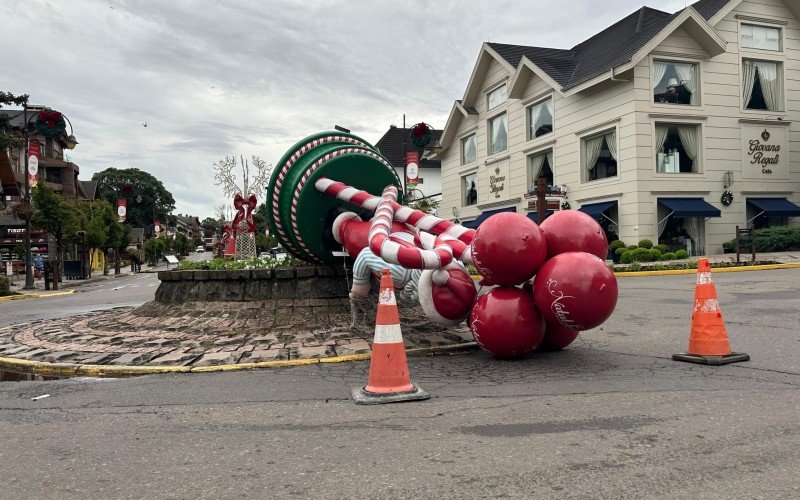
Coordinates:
[574,231]
[575,290]
[505,323]
[508,249]
[557,337]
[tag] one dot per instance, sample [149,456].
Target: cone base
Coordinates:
[362,397]
[733,357]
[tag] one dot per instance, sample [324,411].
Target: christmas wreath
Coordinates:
[727,198]
[421,135]
[51,124]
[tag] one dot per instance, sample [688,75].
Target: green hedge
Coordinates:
[5,286]
[681,254]
[614,245]
[771,239]
[645,244]
[668,256]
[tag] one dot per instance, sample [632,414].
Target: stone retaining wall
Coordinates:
[252,284]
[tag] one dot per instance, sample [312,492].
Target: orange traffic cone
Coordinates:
[389,380]
[708,339]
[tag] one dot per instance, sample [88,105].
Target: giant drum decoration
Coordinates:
[575,290]
[508,248]
[505,323]
[574,231]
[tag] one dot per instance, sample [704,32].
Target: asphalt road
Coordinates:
[611,416]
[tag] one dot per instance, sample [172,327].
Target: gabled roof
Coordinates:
[90,190]
[391,147]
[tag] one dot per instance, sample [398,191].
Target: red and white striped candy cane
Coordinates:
[416,218]
[461,250]
[395,252]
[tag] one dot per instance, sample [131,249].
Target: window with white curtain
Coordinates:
[760,37]
[468,149]
[496,97]
[676,83]
[540,165]
[600,155]
[498,134]
[762,85]
[540,118]
[677,148]
[469,190]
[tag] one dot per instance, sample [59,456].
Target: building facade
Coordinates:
[393,145]
[671,127]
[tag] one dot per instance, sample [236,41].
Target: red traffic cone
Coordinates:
[389,380]
[708,338]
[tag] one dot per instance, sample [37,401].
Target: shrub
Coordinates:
[681,254]
[614,245]
[655,254]
[5,286]
[620,251]
[729,246]
[632,247]
[640,255]
[778,239]
[645,243]
[626,257]
[661,248]
[668,256]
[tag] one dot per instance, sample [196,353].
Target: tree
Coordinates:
[180,245]
[93,225]
[225,177]
[211,222]
[9,137]
[56,216]
[133,184]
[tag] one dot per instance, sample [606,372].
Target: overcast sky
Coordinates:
[217,78]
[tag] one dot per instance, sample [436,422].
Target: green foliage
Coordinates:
[661,248]
[640,255]
[154,249]
[614,245]
[5,286]
[180,244]
[770,239]
[620,250]
[53,214]
[156,202]
[264,242]
[645,243]
[212,222]
[729,246]
[254,263]
[654,254]
[632,247]
[681,254]
[668,256]
[10,137]
[471,270]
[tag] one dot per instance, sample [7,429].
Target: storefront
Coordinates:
[12,246]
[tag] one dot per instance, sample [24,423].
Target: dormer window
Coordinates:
[496,97]
[675,83]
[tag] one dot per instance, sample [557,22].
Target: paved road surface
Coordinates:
[611,416]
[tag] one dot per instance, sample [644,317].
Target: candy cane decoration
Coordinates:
[397,251]
[415,218]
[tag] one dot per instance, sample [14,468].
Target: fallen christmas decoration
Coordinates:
[334,192]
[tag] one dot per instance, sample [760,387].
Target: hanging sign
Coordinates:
[412,167]
[122,209]
[157,227]
[34,151]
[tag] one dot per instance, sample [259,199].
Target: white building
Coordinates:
[652,125]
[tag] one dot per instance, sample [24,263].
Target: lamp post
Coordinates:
[71,143]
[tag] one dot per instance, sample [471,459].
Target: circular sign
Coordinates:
[33,165]
[157,228]
[412,170]
[122,210]
[139,199]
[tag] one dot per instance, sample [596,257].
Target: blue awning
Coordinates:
[596,209]
[775,207]
[534,216]
[473,224]
[690,207]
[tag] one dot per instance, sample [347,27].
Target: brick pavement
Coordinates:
[215,333]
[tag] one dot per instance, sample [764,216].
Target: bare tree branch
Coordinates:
[226,179]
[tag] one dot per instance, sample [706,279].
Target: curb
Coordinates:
[714,270]
[24,296]
[117,371]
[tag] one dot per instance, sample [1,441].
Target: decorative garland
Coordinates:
[51,124]
[727,198]
[420,135]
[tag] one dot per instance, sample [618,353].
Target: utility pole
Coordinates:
[28,268]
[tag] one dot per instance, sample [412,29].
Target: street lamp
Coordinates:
[71,142]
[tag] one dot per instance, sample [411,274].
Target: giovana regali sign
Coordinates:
[764,152]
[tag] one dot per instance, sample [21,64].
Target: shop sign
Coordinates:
[497,183]
[763,154]
[34,151]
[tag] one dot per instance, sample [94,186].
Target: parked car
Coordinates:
[200,249]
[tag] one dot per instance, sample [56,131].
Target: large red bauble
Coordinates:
[508,249]
[505,323]
[557,337]
[575,290]
[574,231]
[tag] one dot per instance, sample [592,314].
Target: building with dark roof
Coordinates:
[673,127]
[393,145]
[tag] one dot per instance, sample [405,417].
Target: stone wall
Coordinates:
[252,284]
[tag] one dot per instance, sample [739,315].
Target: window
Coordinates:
[600,155]
[540,165]
[677,148]
[675,83]
[496,97]
[468,150]
[498,138]
[540,118]
[761,37]
[762,86]
[469,190]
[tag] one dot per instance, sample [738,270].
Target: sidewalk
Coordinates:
[66,285]
[776,257]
